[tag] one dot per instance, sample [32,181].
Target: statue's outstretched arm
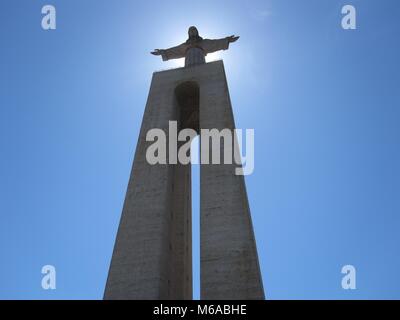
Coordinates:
[233,38]
[212,45]
[171,53]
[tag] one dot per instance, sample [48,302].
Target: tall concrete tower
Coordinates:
[152,257]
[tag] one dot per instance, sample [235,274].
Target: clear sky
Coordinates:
[324,103]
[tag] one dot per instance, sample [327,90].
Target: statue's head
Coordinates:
[193,36]
[193,32]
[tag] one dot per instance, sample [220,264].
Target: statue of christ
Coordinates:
[195,48]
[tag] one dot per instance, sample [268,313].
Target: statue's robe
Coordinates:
[207,45]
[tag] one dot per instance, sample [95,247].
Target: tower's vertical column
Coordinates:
[151,258]
[229,261]
[181,234]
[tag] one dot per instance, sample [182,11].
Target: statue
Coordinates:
[195,48]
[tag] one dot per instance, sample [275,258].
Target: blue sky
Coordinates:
[324,103]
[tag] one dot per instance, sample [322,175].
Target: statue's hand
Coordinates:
[233,38]
[158,52]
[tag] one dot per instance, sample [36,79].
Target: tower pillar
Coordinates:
[152,254]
